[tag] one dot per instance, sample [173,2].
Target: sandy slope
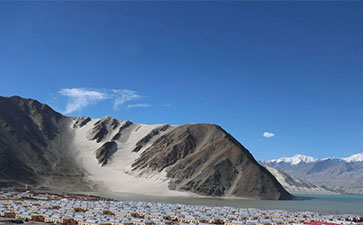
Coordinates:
[116,175]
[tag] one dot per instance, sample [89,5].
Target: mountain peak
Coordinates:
[298,158]
[354,158]
[294,160]
[335,173]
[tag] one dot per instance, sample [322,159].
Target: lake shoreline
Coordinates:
[322,203]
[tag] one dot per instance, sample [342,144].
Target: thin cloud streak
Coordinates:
[79,98]
[140,105]
[123,96]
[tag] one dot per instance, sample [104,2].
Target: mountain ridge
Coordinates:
[299,158]
[53,150]
[298,186]
[296,159]
[344,175]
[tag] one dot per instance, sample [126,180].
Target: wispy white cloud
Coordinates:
[78,98]
[123,96]
[268,134]
[140,105]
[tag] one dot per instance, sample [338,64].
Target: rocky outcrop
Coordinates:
[81,121]
[204,159]
[102,127]
[104,153]
[140,144]
[123,127]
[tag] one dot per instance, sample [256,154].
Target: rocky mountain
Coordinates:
[298,186]
[34,145]
[340,174]
[41,147]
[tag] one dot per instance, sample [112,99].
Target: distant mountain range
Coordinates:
[296,159]
[343,175]
[41,147]
[298,186]
[292,160]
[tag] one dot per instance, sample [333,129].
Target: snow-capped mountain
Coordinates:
[41,147]
[339,174]
[354,158]
[296,159]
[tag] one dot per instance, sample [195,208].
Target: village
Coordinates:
[47,208]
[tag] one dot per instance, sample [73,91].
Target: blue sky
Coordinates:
[291,69]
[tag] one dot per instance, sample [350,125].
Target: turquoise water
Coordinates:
[327,204]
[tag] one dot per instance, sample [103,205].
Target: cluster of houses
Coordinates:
[44,196]
[106,212]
